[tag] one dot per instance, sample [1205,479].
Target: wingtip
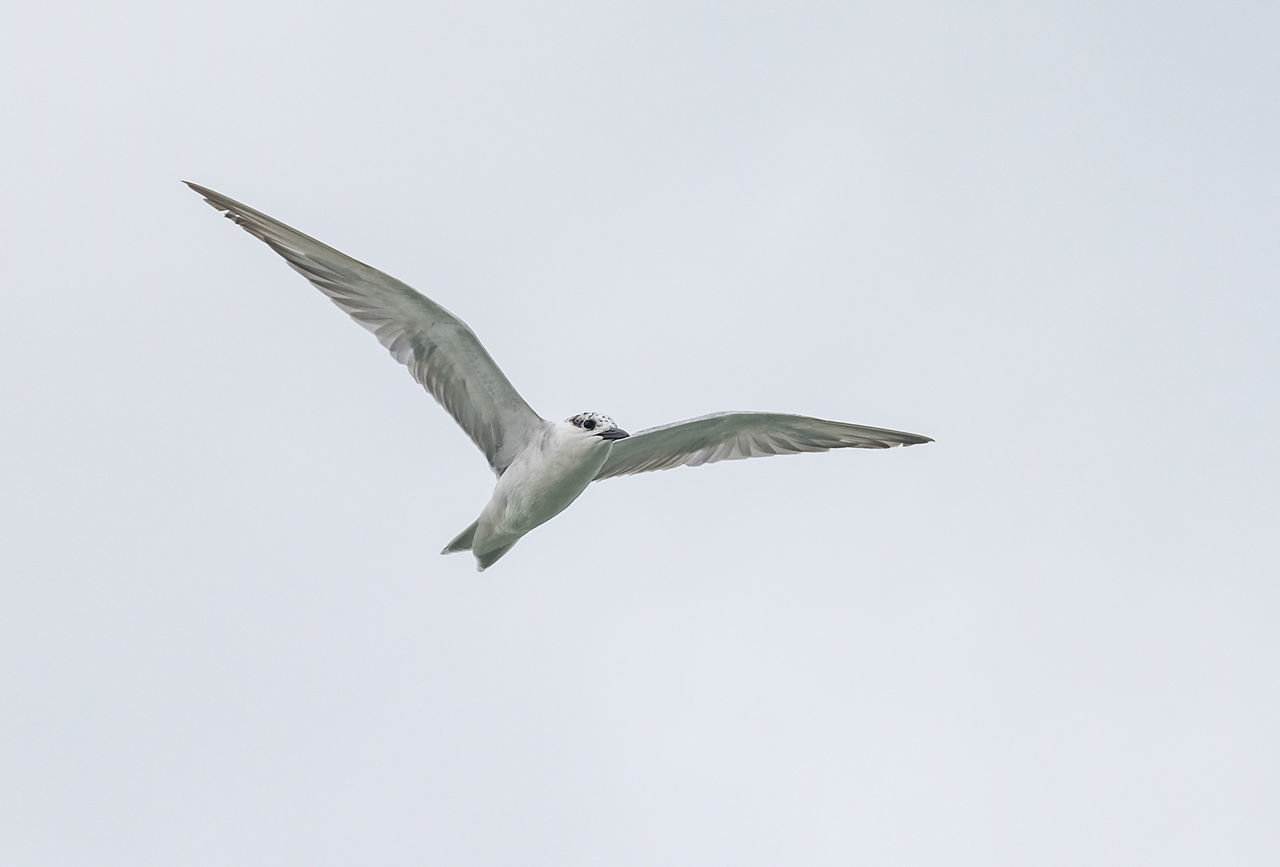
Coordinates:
[912,439]
[209,195]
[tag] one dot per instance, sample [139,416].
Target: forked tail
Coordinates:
[463,542]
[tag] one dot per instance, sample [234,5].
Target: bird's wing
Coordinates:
[731,436]
[441,352]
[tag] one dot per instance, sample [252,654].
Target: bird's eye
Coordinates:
[589,424]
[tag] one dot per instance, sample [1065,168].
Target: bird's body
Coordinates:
[548,475]
[542,466]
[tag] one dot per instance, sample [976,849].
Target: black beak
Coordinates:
[613,433]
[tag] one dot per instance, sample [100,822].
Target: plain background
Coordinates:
[1044,234]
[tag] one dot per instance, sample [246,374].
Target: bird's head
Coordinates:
[596,424]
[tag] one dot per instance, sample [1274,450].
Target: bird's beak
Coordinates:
[613,433]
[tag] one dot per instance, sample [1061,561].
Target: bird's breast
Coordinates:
[542,482]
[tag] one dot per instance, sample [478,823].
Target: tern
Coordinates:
[542,466]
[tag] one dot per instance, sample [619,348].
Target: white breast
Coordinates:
[540,483]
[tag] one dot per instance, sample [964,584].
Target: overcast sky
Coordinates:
[1045,235]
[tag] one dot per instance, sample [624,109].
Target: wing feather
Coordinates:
[731,436]
[441,352]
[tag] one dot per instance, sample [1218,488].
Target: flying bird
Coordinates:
[542,466]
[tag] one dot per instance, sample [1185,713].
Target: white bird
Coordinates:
[542,466]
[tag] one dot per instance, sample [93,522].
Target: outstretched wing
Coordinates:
[441,352]
[731,436]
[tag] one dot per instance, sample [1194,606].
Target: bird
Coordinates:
[541,466]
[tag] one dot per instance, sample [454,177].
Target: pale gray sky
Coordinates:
[1045,235]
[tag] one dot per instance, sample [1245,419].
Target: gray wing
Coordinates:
[731,436]
[441,352]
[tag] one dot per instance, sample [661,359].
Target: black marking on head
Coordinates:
[592,421]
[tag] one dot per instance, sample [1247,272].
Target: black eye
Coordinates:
[589,424]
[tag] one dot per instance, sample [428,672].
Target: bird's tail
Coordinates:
[463,542]
[488,558]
